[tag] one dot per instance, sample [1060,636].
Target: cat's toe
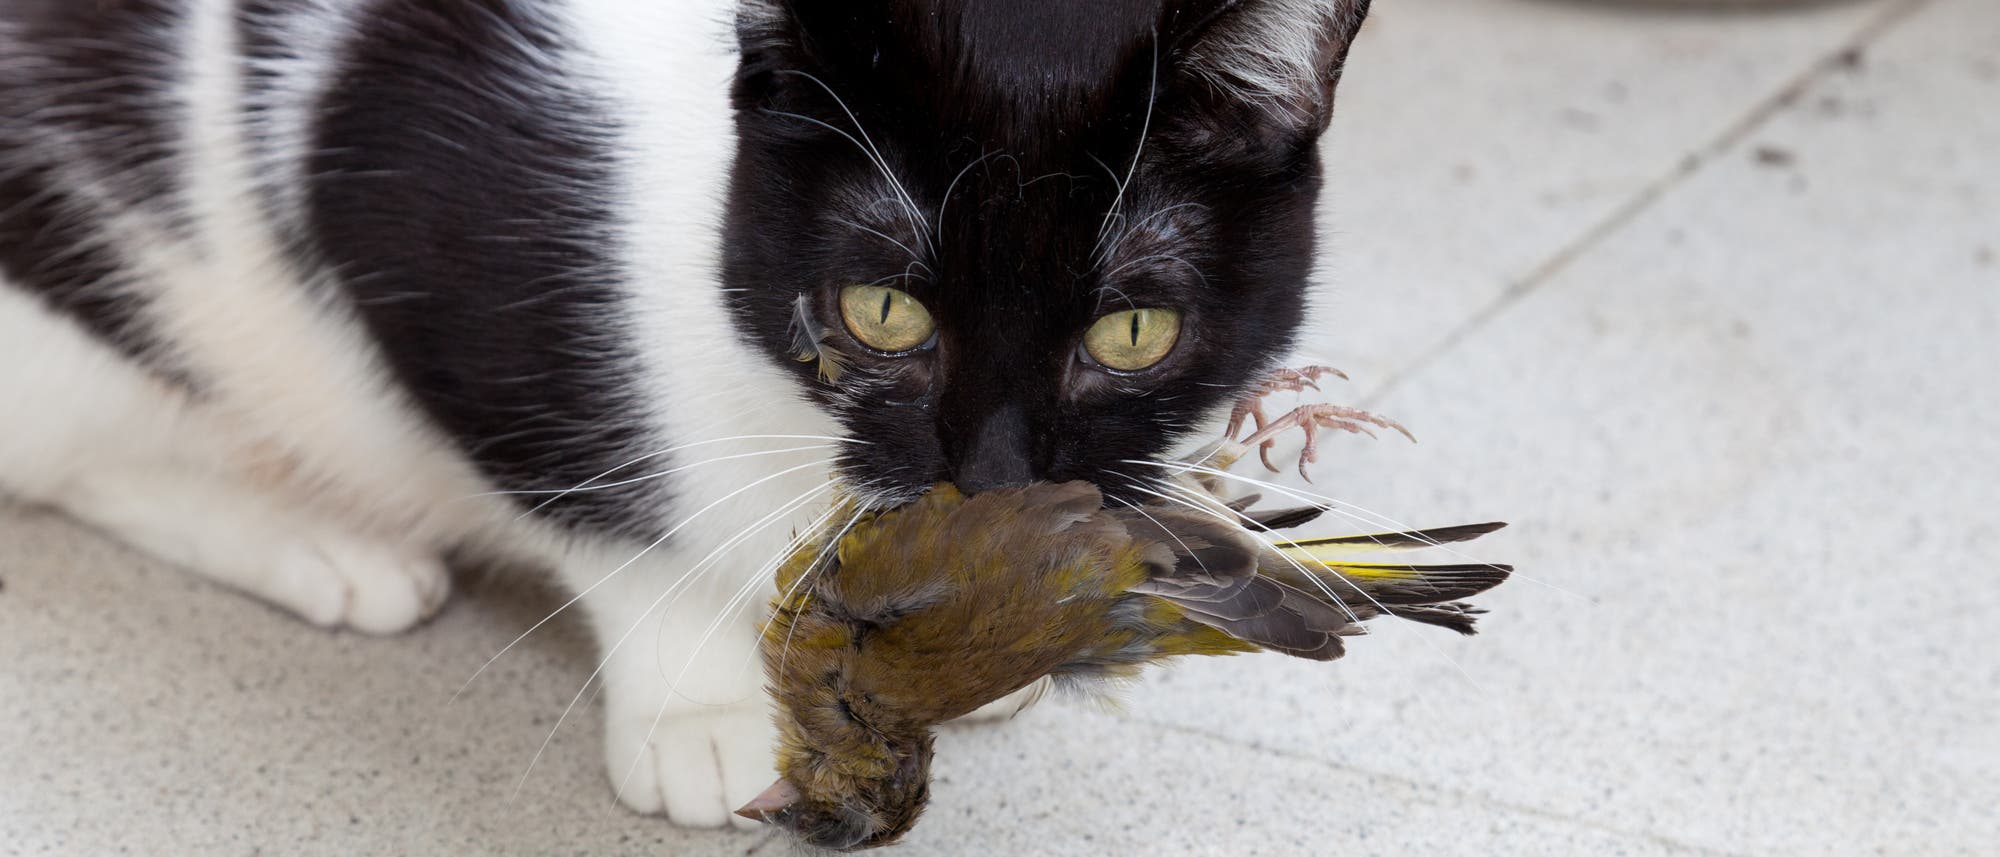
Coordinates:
[370,587]
[695,767]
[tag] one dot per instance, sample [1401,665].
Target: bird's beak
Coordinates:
[782,795]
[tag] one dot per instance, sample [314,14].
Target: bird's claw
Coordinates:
[1309,418]
[1251,406]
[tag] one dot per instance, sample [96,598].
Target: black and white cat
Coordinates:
[304,294]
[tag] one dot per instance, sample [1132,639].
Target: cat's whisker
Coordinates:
[1202,504]
[1145,129]
[862,507]
[909,207]
[671,450]
[874,154]
[1165,529]
[686,581]
[1141,222]
[660,474]
[732,609]
[1318,501]
[627,564]
[1106,289]
[749,586]
[954,183]
[905,275]
[915,258]
[1329,504]
[771,566]
[812,571]
[1236,521]
[1158,257]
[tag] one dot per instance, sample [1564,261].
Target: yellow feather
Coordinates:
[1329,556]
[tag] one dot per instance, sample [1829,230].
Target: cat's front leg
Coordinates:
[688,730]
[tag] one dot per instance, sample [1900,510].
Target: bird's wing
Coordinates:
[1339,546]
[1208,567]
[1282,519]
[1423,593]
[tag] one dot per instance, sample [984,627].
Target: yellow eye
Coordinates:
[886,319]
[1134,339]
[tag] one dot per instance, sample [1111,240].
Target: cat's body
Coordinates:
[304,294]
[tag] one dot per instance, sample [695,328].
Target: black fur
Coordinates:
[455,198]
[264,42]
[457,188]
[94,80]
[1029,116]
[49,248]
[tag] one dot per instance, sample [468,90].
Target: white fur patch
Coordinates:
[315,35]
[1278,53]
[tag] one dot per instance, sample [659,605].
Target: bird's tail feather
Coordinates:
[1300,597]
[1421,593]
[1338,546]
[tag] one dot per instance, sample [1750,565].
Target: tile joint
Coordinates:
[1732,136]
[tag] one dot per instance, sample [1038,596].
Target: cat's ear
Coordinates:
[769,42]
[788,47]
[1270,65]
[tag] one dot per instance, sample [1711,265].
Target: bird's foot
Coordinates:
[1310,419]
[1251,406]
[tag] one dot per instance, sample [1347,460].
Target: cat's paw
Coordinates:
[339,581]
[697,767]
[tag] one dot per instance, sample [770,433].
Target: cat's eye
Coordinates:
[885,319]
[1134,339]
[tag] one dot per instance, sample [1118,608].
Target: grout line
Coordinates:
[1462,795]
[1692,163]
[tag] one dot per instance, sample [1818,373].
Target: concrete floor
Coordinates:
[1705,301]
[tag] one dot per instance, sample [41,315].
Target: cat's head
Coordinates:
[1008,241]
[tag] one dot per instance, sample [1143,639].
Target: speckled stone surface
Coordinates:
[1747,429]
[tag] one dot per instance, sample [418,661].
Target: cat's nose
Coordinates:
[998,456]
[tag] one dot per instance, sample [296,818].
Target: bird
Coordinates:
[915,616]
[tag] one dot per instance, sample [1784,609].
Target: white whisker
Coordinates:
[686,580]
[833,543]
[627,564]
[1145,129]
[874,154]
[954,184]
[1201,503]
[661,474]
[1330,504]
[685,446]
[916,259]
[749,586]
[1320,584]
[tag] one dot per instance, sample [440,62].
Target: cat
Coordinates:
[307,295]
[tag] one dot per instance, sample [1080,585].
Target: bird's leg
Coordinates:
[1312,418]
[1293,380]
[1251,406]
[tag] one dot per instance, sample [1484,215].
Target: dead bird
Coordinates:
[917,616]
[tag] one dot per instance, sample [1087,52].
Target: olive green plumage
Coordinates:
[916,616]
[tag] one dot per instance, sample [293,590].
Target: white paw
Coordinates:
[697,767]
[339,581]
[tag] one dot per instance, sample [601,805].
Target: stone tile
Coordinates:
[1476,138]
[1749,444]
[1074,781]
[148,713]
[1751,447]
